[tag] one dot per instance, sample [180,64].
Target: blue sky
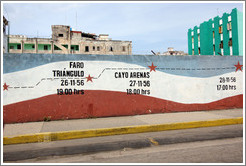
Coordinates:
[150,26]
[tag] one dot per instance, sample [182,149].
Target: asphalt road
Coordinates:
[220,144]
[228,150]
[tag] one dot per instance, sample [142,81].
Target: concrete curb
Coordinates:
[54,136]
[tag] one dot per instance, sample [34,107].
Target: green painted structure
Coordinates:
[218,36]
[15,46]
[29,46]
[44,47]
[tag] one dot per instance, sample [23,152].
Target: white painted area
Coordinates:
[192,45]
[198,44]
[198,30]
[213,25]
[231,53]
[222,51]
[229,18]
[192,33]
[221,21]
[175,88]
[230,34]
[221,36]
[213,40]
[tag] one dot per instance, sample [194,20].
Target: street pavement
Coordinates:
[141,147]
[210,151]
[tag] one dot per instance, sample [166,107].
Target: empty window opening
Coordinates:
[11,47]
[213,34]
[18,46]
[220,29]
[230,42]
[221,44]
[45,47]
[60,35]
[124,48]
[98,48]
[65,45]
[86,48]
[111,48]
[214,48]
[229,26]
[94,48]
[75,47]
[56,48]
[199,51]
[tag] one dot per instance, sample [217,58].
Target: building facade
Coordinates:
[5,36]
[67,41]
[218,36]
[171,51]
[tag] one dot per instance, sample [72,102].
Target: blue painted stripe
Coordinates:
[192,66]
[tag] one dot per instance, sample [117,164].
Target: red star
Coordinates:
[89,78]
[5,86]
[152,67]
[238,66]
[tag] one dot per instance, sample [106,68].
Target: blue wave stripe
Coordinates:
[191,66]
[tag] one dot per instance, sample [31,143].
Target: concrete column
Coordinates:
[36,46]
[22,46]
[52,47]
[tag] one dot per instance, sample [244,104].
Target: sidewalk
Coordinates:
[117,125]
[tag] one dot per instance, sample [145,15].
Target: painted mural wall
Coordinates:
[58,87]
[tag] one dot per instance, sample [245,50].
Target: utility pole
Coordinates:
[8,35]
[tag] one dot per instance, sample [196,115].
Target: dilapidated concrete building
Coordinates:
[5,36]
[67,41]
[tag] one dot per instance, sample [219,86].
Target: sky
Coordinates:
[150,26]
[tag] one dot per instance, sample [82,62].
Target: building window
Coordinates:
[94,48]
[221,44]
[98,48]
[11,47]
[18,46]
[45,47]
[60,35]
[199,51]
[111,49]
[230,42]
[213,34]
[75,47]
[229,26]
[214,48]
[220,29]
[56,48]
[123,48]
[229,18]
[29,46]
[192,39]
[86,48]
[65,45]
